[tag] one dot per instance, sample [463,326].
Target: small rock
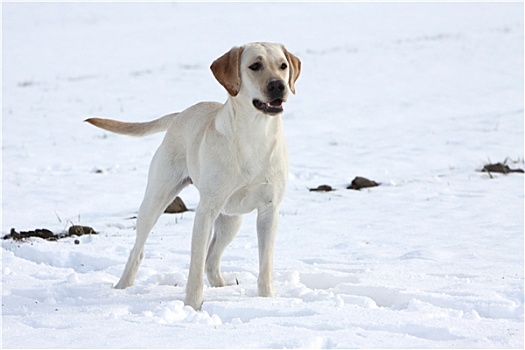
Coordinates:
[77,230]
[361,182]
[322,188]
[177,206]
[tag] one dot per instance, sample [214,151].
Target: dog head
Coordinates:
[261,73]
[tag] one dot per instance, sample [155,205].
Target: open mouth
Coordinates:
[272,107]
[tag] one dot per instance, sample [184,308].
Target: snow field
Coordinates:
[415,96]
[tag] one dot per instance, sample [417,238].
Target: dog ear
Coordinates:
[226,70]
[295,69]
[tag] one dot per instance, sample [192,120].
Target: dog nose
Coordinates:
[276,85]
[276,89]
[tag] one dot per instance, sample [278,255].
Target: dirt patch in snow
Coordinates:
[177,206]
[357,183]
[49,235]
[322,188]
[362,182]
[500,168]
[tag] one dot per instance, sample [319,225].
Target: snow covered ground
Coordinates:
[415,96]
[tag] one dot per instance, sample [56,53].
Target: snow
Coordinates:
[416,96]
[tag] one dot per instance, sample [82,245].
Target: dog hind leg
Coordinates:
[163,186]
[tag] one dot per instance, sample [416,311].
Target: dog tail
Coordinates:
[133,129]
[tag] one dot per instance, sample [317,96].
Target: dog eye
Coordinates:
[256,66]
[284,66]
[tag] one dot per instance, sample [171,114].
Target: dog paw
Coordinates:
[216,280]
[266,291]
[195,303]
[122,285]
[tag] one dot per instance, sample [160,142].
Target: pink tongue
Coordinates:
[276,103]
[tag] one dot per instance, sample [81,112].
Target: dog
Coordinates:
[234,153]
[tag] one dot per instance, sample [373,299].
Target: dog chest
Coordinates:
[249,198]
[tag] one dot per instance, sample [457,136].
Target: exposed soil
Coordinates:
[357,184]
[177,206]
[49,235]
[500,168]
[361,182]
[322,188]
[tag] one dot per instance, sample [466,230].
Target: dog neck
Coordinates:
[238,120]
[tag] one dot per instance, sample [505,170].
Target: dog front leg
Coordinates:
[226,227]
[267,219]
[202,226]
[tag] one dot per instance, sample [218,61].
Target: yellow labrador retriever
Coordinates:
[234,153]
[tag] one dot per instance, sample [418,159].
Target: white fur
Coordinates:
[236,157]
